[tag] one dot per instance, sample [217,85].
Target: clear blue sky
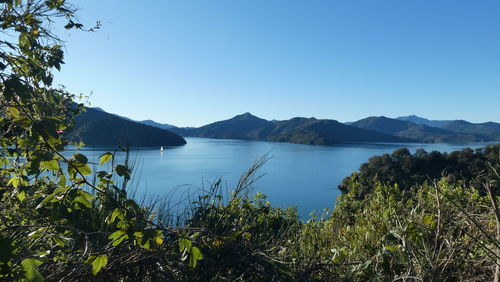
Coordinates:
[191,62]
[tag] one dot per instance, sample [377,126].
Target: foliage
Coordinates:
[437,231]
[55,223]
[406,169]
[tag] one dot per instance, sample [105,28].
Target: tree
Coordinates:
[53,220]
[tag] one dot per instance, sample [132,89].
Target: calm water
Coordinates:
[297,175]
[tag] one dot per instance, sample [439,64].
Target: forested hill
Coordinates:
[296,130]
[472,167]
[418,132]
[91,124]
[96,127]
[156,124]
[488,131]
[245,127]
[423,121]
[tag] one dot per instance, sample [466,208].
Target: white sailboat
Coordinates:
[161,148]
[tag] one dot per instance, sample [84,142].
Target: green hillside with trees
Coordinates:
[328,132]
[470,167]
[61,220]
[98,128]
[421,132]
[488,131]
[296,130]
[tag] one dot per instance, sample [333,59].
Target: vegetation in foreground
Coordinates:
[59,220]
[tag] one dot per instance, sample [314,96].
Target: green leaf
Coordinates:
[13,112]
[98,263]
[185,244]
[24,40]
[144,243]
[21,195]
[45,201]
[122,170]
[29,266]
[105,158]
[84,194]
[101,174]
[17,181]
[22,122]
[195,256]
[116,213]
[84,169]
[59,240]
[391,248]
[62,180]
[51,165]
[117,237]
[158,239]
[4,161]
[14,182]
[235,235]
[427,219]
[83,201]
[81,159]
[55,3]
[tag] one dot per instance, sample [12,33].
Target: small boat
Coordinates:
[161,148]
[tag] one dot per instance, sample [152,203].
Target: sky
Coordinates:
[192,62]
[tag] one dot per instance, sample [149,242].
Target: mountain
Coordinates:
[296,130]
[146,122]
[245,127]
[324,132]
[156,124]
[423,121]
[96,127]
[383,124]
[410,130]
[487,131]
[102,110]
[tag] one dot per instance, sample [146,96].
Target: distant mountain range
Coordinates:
[156,124]
[486,131]
[95,127]
[99,128]
[296,130]
[327,132]
[146,122]
[414,131]
[423,121]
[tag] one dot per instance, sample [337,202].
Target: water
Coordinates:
[297,175]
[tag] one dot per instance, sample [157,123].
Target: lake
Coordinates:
[305,176]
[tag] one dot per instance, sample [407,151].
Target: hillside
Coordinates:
[324,132]
[423,121]
[486,130]
[383,124]
[296,130]
[413,131]
[156,124]
[98,128]
[245,127]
